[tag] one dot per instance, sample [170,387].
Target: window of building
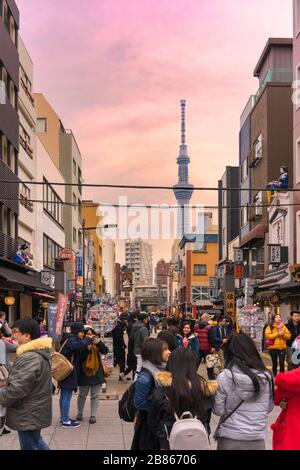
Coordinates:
[25,195]
[74,168]
[80,240]
[4,149]
[52,203]
[50,252]
[74,235]
[25,141]
[12,93]
[12,29]
[199,269]
[4,78]
[41,125]
[244,170]
[258,148]
[74,201]
[13,225]
[10,89]
[79,181]
[79,210]
[244,216]
[257,202]
[8,20]
[8,153]
[200,293]
[4,12]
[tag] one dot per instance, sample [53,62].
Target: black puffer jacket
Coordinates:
[71,351]
[160,416]
[28,394]
[294,330]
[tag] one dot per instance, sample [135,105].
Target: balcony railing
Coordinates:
[256,212]
[275,75]
[26,203]
[255,156]
[27,91]
[26,147]
[8,246]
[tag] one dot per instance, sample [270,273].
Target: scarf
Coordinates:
[91,365]
[153,368]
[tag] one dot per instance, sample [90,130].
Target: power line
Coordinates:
[125,186]
[142,206]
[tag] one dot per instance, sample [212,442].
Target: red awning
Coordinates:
[46,296]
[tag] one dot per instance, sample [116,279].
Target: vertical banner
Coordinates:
[79,263]
[52,312]
[61,311]
[230,306]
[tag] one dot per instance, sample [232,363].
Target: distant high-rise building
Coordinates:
[109,265]
[139,258]
[183,190]
[161,273]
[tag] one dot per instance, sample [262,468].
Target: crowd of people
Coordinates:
[164,370]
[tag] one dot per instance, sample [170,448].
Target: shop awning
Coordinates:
[23,279]
[45,296]
[256,233]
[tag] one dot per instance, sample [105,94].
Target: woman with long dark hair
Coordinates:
[179,390]
[186,338]
[244,397]
[155,355]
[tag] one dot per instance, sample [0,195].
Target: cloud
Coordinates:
[115,71]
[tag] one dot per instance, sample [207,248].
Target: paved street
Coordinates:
[109,433]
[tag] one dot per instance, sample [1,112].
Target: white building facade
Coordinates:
[139,256]
[27,156]
[50,230]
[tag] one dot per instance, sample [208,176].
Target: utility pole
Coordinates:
[83,268]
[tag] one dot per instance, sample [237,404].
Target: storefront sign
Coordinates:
[71,285]
[61,311]
[275,254]
[48,278]
[9,301]
[66,254]
[238,255]
[230,305]
[239,271]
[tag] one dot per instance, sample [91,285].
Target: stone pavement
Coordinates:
[109,433]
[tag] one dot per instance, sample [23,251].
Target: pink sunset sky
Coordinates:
[115,70]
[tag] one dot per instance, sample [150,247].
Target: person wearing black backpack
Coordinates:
[155,355]
[178,391]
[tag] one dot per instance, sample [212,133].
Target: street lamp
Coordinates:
[84,229]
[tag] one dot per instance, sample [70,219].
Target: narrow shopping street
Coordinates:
[109,433]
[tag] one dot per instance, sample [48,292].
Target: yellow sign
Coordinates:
[230,305]
[9,300]
[45,304]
